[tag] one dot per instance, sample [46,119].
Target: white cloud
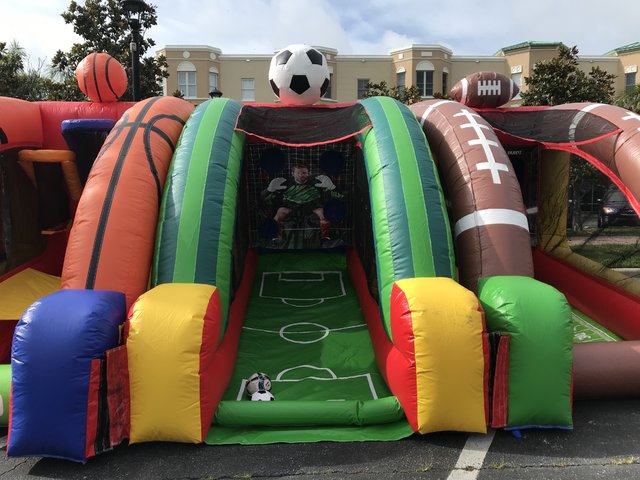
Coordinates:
[37,26]
[468,27]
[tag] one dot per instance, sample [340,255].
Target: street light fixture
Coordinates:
[134,9]
[215,93]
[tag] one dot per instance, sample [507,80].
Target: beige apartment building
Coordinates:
[197,70]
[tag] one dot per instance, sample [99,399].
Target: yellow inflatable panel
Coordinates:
[22,289]
[164,342]
[449,342]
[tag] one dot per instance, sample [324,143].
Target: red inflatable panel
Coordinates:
[53,113]
[397,368]
[20,124]
[614,308]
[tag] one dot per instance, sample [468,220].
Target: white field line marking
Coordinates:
[589,326]
[472,456]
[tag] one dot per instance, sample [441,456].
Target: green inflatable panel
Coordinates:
[308,413]
[197,216]
[538,319]
[5,389]
[410,223]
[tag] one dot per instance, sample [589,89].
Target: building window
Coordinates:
[445,83]
[424,82]
[248,91]
[517,79]
[362,87]
[213,81]
[187,79]
[401,81]
[629,81]
[424,78]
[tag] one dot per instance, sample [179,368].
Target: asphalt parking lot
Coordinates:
[605,443]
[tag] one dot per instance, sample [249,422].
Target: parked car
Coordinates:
[615,209]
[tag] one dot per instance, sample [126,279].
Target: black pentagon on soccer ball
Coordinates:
[315,56]
[324,87]
[299,84]
[275,88]
[283,57]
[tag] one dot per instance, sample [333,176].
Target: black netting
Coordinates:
[303,125]
[300,197]
[550,126]
[363,226]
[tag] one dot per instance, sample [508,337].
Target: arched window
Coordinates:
[424,78]
[401,75]
[187,79]
[213,79]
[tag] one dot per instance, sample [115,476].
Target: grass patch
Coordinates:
[624,461]
[611,230]
[611,255]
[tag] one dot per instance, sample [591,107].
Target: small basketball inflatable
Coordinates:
[101,77]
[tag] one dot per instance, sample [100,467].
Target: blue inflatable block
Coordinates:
[87,124]
[53,345]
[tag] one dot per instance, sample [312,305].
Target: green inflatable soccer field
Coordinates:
[304,328]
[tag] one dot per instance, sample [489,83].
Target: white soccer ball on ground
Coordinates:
[262,396]
[258,381]
[299,75]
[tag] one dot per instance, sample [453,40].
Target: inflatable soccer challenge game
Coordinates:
[292,272]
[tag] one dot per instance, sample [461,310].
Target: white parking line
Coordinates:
[472,456]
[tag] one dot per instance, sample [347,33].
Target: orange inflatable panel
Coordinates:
[112,238]
[20,124]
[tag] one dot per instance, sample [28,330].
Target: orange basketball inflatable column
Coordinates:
[113,233]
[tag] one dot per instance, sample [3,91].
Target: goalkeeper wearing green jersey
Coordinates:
[301,195]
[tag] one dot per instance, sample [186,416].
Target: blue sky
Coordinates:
[468,27]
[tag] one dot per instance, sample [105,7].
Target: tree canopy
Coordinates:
[630,99]
[560,80]
[103,26]
[406,95]
[18,79]
[11,68]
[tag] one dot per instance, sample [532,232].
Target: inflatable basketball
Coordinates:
[101,77]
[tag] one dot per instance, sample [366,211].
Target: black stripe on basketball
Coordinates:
[150,127]
[95,77]
[111,191]
[106,73]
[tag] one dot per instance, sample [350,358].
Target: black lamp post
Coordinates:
[134,9]
[215,93]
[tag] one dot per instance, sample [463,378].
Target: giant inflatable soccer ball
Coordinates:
[299,75]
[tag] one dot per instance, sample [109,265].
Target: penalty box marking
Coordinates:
[333,378]
[295,276]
